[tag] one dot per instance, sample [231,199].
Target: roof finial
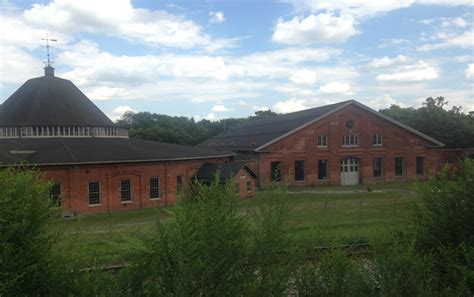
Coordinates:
[48,69]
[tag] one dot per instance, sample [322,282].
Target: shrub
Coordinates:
[201,252]
[336,275]
[26,262]
[446,215]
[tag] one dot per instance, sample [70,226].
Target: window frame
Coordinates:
[98,193]
[179,183]
[153,189]
[351,140]
[322,140]
[424,166]
[381,170]
[273,176]
[326,173]
[248,186]
[56,197]
[402,173]
[122,191]
[297,175]
[377,139]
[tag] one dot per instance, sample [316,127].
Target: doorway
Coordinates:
[350,171]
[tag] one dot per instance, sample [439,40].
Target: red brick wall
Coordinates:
[302,146]
[74,183]
[241,180]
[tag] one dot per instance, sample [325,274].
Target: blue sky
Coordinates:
[219,59]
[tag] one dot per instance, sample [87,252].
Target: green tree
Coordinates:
[452,127]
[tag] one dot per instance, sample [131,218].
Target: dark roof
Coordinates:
[257,132]
[207,172]
[50,100]
[63,151]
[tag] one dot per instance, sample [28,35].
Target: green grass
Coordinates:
[318,217]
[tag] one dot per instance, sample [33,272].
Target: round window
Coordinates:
[349,124]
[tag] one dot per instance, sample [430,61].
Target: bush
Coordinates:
[336,275]
[446,216]
[200,252]
[26,262]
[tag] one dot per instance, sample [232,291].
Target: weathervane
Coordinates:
[48,62]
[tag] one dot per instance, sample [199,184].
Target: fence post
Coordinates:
[110,225]
[325,210]
[360,210]
[395,209]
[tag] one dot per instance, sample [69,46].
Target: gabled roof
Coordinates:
[51,101]
[207,172]
[257,134]
[91,150]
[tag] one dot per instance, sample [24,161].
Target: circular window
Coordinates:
[349,124]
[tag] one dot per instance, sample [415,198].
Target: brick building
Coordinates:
[343,143]
[50,124]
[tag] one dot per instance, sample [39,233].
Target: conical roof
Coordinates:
[51,101]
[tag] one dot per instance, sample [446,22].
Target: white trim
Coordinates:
[343,106]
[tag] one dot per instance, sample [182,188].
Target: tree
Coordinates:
[452,127]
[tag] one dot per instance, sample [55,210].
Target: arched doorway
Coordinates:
[350,168]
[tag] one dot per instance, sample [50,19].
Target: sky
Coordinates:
[220,59]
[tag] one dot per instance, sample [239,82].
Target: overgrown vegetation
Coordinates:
[209,248]
[452,127]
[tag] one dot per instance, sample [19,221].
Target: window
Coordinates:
[55,194]
[378,167]
[349,124]
[350,140]
[249,186]
[94,193]
[125,190]
[275,167]
[299,170]
[322,169]
[237,188]
[377,139]
[420,165]
[322,140]
[399,166]
[179,183]
[154,187]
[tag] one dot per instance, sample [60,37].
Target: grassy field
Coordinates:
[318,217]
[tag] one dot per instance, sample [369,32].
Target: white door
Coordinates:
[350,171]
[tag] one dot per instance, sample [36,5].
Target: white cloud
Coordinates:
[382,102]
[119,18]
[220,108]
[388,62]
[336,88]
[463,40]
[117,112]
[367,8]
[303,77]
[470,71]
[394,42]
[420,71]
[216,17]
[320,28]
[107,93]
[290,105]
[211,117]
